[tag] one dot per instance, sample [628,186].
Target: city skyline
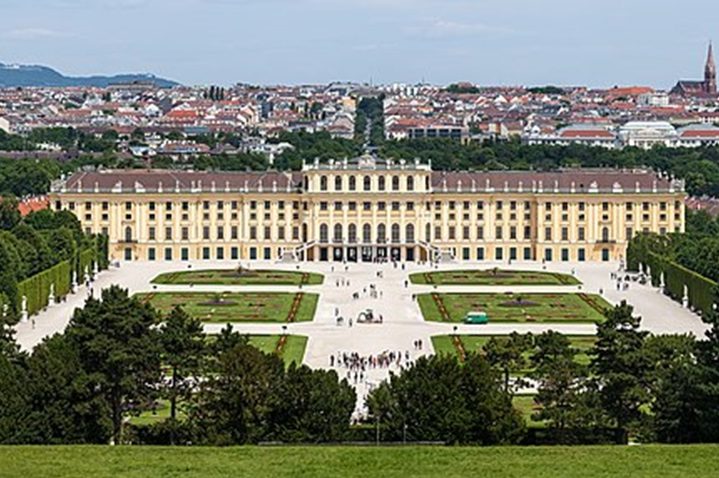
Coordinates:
[320,41]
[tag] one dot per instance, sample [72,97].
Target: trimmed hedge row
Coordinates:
[701,291]
[37,288]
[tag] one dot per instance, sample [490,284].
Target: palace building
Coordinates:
[369,209]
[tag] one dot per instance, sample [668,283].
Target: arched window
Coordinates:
[381,183]
[338,183]
[128,234]
[304,232]
[352,233]
[367,183]
[409,233]
[395,233]
[324,233]
[381,233]
[338,233]
[426,183]
[427,233]
[395,183]
[605,234]
[353,183]
[367,234]
[410,183]
[323,183]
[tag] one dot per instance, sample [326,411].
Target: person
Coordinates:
[332,360]
[405,283]
[350,322]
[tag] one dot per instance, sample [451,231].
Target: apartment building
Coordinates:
[369,209]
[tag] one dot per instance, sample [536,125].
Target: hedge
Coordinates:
[85,263]
[701,291]
[102,251]
[37,288]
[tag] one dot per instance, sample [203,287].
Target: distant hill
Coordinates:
[37,75]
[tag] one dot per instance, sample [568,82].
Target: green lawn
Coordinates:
[473,343]
[235,306]
[649,461]
[293,351]
[560,308]
[493,277]
[232,277]
[525,404]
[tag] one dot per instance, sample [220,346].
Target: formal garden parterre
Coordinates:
[239,276]
[511,307]
[493,276]
[237,306]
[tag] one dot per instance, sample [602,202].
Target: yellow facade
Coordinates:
[367,210]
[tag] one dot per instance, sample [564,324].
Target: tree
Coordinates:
[621,366]
[234,402]
[508,355]
[9,212]
[437,399]
[567,397]
[311,406]
[120,350]
[183,346]
[674,380]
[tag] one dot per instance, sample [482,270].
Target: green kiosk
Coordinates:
[476,318]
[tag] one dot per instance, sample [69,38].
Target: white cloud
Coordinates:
[32,33]
[439,28]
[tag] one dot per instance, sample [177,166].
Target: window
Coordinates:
[324,233]
[220,253]
[151,233]
[151,254]
[367,233]
[352,183]
[338,233]
[184,254]
[352,233]
[323,183]
[565,233]
[498,233]
[267,253]
[547,233]
[206,233]
[548,255]
[565,254]
[410,183]
[480,232]
[220,233]
[233,232]
[499,254]
[366,183]
[605,234]
[381,233]
[381,183]
[581,255]
[409,233]
[480,253]
[168,233]
[206,253]
[338,183]
[168,253]
[128,234]
[527,253]
[395,233]
[580,233]
[185,234]
[395,183]
[234,253]
[513,253]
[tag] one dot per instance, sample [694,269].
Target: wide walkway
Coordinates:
[402,320]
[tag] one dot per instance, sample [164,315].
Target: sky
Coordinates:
[599,43]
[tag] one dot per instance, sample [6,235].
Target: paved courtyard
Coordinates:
[402,320]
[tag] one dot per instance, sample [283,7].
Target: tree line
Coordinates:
[118,357]
[699,167]
[33,244]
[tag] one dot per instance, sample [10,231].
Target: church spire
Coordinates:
[710,72]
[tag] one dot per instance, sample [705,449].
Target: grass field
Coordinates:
[493,277]
[473,343]
[649,461]
[559,308]
[232,277]
[293,351]
[235,307]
